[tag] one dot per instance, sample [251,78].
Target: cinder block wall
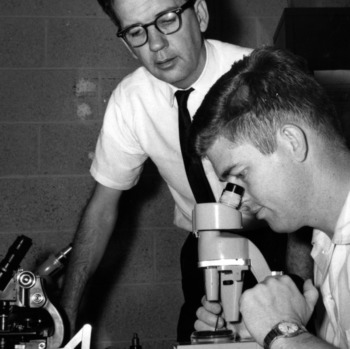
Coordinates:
[59,61]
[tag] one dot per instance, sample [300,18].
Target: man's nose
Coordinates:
[156,39]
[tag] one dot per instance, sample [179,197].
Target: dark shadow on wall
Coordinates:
[223,22]
[119,247]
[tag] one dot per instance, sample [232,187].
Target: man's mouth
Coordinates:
[245,209]
[259,213]
[166,63]
[253,211]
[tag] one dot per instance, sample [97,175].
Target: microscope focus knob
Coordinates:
[26,279]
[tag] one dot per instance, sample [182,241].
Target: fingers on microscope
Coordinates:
[213,307]
[210,324]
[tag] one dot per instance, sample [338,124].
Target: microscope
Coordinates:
[28,319]
[224,256]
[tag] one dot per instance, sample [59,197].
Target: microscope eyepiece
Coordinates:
[232,195]
[234,188]
[13,258]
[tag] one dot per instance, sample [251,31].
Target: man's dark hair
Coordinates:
[107,6]
[262,92]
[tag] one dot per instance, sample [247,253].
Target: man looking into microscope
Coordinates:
[141,121]
[268,126]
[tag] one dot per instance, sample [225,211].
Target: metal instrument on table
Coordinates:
[224,256]
[28,319]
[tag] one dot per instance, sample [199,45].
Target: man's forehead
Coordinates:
[222,143]
[226,155]
[221,155]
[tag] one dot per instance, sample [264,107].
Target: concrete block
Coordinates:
[49,95]
[168,247]
[21,95]
[18,149]
[68,148]
[85,43]
[266,27]
[42,203]
[257,8]
[150,310]
[109,79]
[129,258]
[22,42]
[50,8]
[87,91]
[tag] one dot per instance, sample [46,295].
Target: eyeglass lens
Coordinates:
[167,23]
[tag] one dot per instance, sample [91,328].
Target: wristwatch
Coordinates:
[284,329]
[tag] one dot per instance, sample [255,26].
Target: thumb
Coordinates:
[310,294]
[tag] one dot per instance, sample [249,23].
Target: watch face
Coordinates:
[288,327]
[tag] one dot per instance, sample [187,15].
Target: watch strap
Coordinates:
[275,333]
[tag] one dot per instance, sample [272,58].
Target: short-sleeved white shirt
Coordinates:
[332,277]
[141,121]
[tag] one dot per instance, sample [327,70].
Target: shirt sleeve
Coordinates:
[119,158]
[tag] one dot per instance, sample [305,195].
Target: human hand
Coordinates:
[273,300]
[211,318]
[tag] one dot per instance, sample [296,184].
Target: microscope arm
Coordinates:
[57,338]
[259,266]
[232,281]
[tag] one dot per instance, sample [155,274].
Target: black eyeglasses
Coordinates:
[167,22]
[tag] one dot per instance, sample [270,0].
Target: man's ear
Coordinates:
[201,10]
[295,141]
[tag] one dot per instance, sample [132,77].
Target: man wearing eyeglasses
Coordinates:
[141,121]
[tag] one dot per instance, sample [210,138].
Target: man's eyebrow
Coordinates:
[171,8]
[226,172]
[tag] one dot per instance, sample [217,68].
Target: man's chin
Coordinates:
[279,229]
[175,77]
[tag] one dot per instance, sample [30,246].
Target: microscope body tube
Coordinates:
[12,260]
[224,256]
[222,253]
[230,292]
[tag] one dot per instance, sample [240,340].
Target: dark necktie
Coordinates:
[194,168]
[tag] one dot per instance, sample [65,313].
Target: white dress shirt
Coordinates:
[141,121]
[332,277]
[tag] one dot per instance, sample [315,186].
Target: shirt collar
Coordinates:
[342,229]
[205,80]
